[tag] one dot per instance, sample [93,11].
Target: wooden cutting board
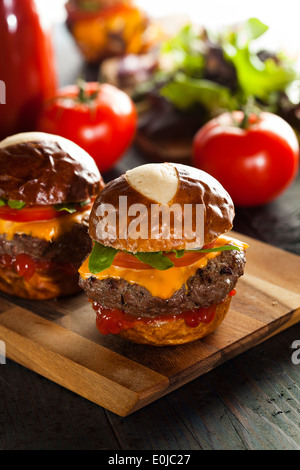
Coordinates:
[59,340]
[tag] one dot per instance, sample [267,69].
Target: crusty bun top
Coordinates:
[160,185]
[41,168]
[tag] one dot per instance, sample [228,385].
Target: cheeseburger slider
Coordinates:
[47,187]
[161,271]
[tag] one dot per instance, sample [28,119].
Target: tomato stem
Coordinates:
[248,110]
[83,96]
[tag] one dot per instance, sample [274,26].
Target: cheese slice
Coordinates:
[44,229]
[161,284]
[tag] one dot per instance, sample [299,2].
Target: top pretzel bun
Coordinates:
[44,169]
[160,185]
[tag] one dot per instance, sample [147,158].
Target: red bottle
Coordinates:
[27,70]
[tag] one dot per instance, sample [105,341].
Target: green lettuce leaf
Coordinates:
[184,52]
[246,32]
[184,92]
[256,77]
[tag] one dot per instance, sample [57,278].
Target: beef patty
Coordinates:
[71,246]
[208,286]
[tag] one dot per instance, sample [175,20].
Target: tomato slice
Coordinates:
[34,213]
[128,261]
[29,214]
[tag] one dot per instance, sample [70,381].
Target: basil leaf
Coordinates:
[219,248]
[71,207]
[3,202]
[156,260]
[65,207]
[179,253]
[14,204]
[101,258]
[84,203]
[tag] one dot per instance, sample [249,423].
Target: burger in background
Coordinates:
[149,282]
[109,28]
[47,188]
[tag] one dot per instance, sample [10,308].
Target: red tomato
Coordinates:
[100,118]
[254,164]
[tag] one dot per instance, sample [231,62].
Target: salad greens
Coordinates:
[220,72]
[184,92]
[256,77]
[102,257]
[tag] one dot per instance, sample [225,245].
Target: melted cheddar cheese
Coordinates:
[161,284]
[45,229]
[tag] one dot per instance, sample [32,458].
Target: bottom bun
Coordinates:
[174,332]
[41,286]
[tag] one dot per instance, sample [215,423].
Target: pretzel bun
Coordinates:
[45,169]
[42,245]
[162,184]
[172,333]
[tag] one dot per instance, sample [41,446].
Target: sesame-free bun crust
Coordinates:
[193,187]
[172,333]
[45,169]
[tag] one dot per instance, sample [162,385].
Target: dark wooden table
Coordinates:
[251,402]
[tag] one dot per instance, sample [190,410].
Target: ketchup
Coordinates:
[26,66]
[114,320]
[26,266]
